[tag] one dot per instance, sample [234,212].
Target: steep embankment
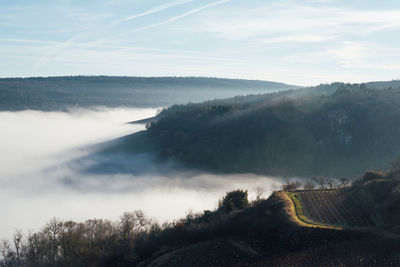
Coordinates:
[371,203]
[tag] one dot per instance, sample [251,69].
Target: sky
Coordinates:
[298,42]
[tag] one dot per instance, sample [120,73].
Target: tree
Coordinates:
[132,223]
[291,185]
[320,181]
[6,252]
[275,187]
[17,240]
[309,185]
[52,232]
[329,182]
[259,193]
[344,182]
[234,200]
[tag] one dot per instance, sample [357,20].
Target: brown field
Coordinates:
[337,207]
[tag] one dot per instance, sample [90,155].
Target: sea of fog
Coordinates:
[36,149]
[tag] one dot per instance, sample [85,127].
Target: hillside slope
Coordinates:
[61,93]
[265,232]
[271,234]
[293,133]
[372,203]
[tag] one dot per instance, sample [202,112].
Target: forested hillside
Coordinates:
[61,93]
[334,130]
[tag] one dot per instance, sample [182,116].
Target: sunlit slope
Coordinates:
[373,202]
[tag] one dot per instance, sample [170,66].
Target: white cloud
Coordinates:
[153,10]
[174,18]
[306,38]
[292,20]
[350,53]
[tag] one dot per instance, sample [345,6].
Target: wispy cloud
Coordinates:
[175,18]
[306,38]
[289,20]
[330,40]
[153,10]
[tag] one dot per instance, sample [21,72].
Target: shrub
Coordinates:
[234,200]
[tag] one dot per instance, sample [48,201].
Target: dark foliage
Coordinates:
[290,133]
[233,200]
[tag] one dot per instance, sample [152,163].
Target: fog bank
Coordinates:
[37,181]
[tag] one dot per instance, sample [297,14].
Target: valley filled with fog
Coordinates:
[199,133]
[39,177]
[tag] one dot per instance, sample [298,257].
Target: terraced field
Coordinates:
[337,207]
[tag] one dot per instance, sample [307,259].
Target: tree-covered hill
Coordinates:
[61,93]
[334,130]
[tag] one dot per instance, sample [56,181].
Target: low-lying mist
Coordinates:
[38,179]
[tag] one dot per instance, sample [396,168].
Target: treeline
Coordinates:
[126,242]
[63,93]
[338,130]
[67,243]
[314,183]
[238,231]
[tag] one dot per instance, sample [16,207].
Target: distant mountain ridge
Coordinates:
[65,92]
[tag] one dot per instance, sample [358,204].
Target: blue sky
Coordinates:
[299,42]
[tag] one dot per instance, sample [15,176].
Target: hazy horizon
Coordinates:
[304,42]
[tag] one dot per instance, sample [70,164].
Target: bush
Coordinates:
[234,200]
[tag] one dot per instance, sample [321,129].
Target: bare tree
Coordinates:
[321,181]
[189,216]
[34,247]
[132,223]
[260,191]
[291,185]
[344,182]
[52,232]
[275,187]
[17,240]
[309,185]
[6,252]
[329,182]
